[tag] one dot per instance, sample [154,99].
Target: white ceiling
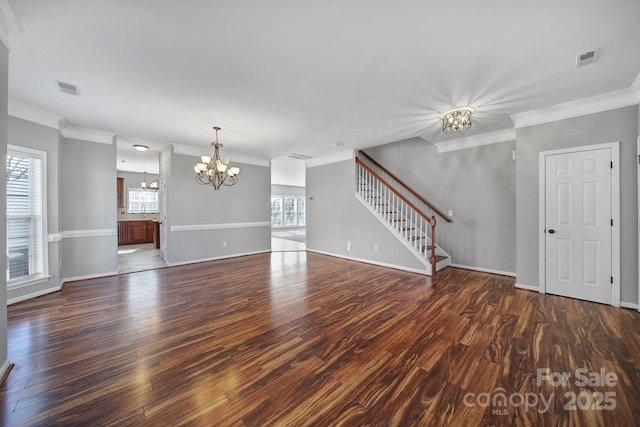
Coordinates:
[298,76]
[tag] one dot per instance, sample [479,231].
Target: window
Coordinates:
[276,211]
[141,201]
[287,211]
[290,217]
[26,215]
[301,211]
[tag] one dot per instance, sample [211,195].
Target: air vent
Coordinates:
[69,88]
[297,156]
[586,58]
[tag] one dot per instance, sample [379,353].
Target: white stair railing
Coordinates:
[409,222]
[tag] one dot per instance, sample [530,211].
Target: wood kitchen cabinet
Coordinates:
[135,232]
[120,192]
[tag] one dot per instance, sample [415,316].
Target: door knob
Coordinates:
[552,231]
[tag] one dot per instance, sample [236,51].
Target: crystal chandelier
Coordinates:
[214,171]
[457,119]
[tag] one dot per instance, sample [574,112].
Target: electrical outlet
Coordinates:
[375,246]
[348,246]
[450,212]
[224,244]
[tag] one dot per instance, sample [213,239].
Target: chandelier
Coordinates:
[149,186]
[457,119]
[214,171]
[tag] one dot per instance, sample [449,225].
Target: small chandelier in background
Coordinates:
[215,171]
[149,186]
[457,119]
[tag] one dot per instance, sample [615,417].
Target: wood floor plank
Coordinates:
[305,339]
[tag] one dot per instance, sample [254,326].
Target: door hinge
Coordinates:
[612,280]
[612,222]
[611,165]
[639,159]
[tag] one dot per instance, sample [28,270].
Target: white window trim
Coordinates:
[33,279]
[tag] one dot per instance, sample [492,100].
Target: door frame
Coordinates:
[615,213]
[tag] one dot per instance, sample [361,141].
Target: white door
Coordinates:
[578,224]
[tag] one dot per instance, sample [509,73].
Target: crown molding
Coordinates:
[8,24]
[190,150]
[635,86]
[85,134]
[33,114]
[331,158]
[581,107]
[476,140]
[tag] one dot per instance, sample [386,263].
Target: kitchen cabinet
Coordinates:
[120,192]
[135,232]
[156,234]
[120,234]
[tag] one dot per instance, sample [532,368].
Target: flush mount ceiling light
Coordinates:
[141,147]
[214,171]
[457,119]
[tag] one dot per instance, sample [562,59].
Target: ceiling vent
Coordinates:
[586,58]
[69,88]
[297,156]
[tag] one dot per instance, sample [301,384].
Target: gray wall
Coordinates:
[609,126]
[24,133]
[88,198]
[192,204]
[478,184]
[335,216]
[4,96]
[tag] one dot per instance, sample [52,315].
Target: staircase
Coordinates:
[402,211]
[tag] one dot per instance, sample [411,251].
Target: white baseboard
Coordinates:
[4,369]
[527,287]
[484,270]
[34,294]
[195,261]
[368,261]
[88,277]
[629,305]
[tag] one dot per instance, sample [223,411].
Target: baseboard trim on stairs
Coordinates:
[368,261]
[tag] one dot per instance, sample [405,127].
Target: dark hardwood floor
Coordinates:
[305,339]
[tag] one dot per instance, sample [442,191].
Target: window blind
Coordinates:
[25,239]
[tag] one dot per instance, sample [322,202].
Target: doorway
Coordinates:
[288,205]
[579,219]
[138,222]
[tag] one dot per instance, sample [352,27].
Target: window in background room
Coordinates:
[26,215]
[276,211]
[142,201]
[287,211]
[301,211]
[290,217]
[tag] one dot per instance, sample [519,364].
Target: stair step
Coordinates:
[441,257]
[414,238]
[407,228]
[397,220]
[426,248]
